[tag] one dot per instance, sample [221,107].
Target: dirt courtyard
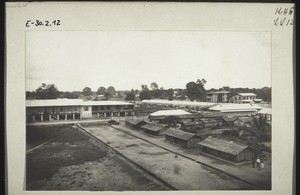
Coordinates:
[77,161]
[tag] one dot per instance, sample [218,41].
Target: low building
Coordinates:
[135,123]
[192,126]
[244,98]
[212,119]
[267,112]
[178,104]
[153,129]
[244,122]
[228,150]
[159,116]
[71,109]
[182,138]
[217,96]
[236,110]
[229,121]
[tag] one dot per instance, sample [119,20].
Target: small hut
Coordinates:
[153,129]
[135,123]
[228,150]
[182,138]
[192,126]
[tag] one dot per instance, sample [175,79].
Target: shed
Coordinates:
[229,120]
[192,126]
[228,150]
[182,138]
[153,129]
[212,119]
[135,123]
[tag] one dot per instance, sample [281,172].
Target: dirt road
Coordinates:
[180,172]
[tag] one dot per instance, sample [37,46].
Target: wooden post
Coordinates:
[49,117]
[98,114]
[33,118]
[42,118]
[105,114]
[118,113]
[73,116]
[58,117]
[66,117]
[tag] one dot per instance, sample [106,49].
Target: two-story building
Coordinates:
[217,96]
[71,109]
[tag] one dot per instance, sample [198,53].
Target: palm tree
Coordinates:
[259,126]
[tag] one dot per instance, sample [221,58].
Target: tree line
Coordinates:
[194,91]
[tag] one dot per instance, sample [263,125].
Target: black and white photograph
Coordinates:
[149,98]
[148,110]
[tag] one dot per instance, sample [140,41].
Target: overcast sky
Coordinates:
[73,60]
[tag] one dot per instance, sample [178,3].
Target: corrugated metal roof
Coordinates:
[191,123]
[135,121]
[236,107]
[228,147]
[169,113]
[228,119]
[71,102]
[265,111]
[153,127]
[246,94]
[179,134]
[180,103]
[212,114]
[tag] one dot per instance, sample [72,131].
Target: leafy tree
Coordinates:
[101,90]
[107,95]
[196,91]
[170,93]
[47,92]
[30,95]
[130,96]
[111,90]
[87,91]
[145,93]
[153,86]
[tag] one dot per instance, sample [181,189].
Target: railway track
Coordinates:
[204,165]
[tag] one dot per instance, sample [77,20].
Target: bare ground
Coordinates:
[77,161]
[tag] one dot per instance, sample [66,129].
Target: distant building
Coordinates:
[70,109]
[160,115]
[244,98]
[236,110]
[153,129]
[135,123]
[178,104]
[182,138]
[217,96]
[228,150]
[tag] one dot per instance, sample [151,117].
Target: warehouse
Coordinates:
[235,110]
[72,109]
[182,138]
[178,104]
[153,129]
[182,115]
[228,150]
